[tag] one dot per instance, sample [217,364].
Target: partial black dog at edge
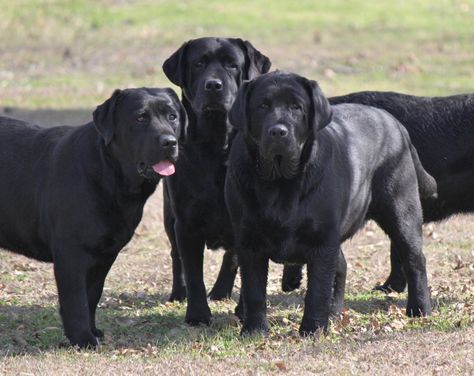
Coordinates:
[74,195]
[304,176]
[209,72]
[442,131]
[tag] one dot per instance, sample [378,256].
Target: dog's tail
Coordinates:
[426,183]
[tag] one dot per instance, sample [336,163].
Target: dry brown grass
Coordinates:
[146,335]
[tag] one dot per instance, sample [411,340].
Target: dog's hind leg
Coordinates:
[401,219]
[339,289]
[239,308]
[222,289]
[292,276]
[191,250]
[396,281]
[178,290]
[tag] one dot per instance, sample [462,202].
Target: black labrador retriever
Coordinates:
[304,176]
[442,131]
[74,195]
[209,72]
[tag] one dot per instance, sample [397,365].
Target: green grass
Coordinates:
[74,53]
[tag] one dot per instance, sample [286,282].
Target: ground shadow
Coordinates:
[123,318]
[128,323]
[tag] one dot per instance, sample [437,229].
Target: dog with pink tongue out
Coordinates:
[164,168]
[75,195]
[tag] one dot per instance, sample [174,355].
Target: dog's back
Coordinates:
[25,151]
[371,141]
[442,131]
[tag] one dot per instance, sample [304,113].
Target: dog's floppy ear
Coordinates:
[174,66]
[257,63]
[321,111]
[183,117]
[238,112]
[104,117]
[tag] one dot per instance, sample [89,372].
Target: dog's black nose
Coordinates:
[213,84]
[168,141]
[278,131]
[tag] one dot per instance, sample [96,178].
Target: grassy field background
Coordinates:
[59,59]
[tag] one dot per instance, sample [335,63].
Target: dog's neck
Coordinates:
[210,128]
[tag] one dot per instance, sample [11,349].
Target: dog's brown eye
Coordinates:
[172,117]
[263,106]
[198,64]
[142,118]
[232,66]
[295,107]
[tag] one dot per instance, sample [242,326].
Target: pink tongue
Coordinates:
[164,168]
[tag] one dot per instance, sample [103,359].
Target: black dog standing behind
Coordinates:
[74,195]
[209,72]
[442,131]
[299,184]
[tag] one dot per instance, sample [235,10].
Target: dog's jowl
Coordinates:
[74,195]
[304,176]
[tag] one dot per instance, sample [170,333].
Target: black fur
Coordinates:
[209,72]
[74,195]
[328,177]
[442,131]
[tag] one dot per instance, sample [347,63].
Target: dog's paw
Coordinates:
[219,293]
[312,327]
[178,295]
[255,323]
[195,318]
[84,341]
[336,308]
[418,309]
[239,312]
[391,286]
[260,328]
[98,333]
[292,277]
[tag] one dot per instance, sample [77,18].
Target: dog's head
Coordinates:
[211,70]
[280,113]
[142,128]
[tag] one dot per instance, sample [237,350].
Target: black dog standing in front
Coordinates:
[299,184]
[74,195]
[209,72]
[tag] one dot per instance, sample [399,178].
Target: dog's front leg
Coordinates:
[191,251]
[254,273]
[71,267]
[321,276]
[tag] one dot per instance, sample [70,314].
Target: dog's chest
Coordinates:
[203,198]
[116,230]
[286,234]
